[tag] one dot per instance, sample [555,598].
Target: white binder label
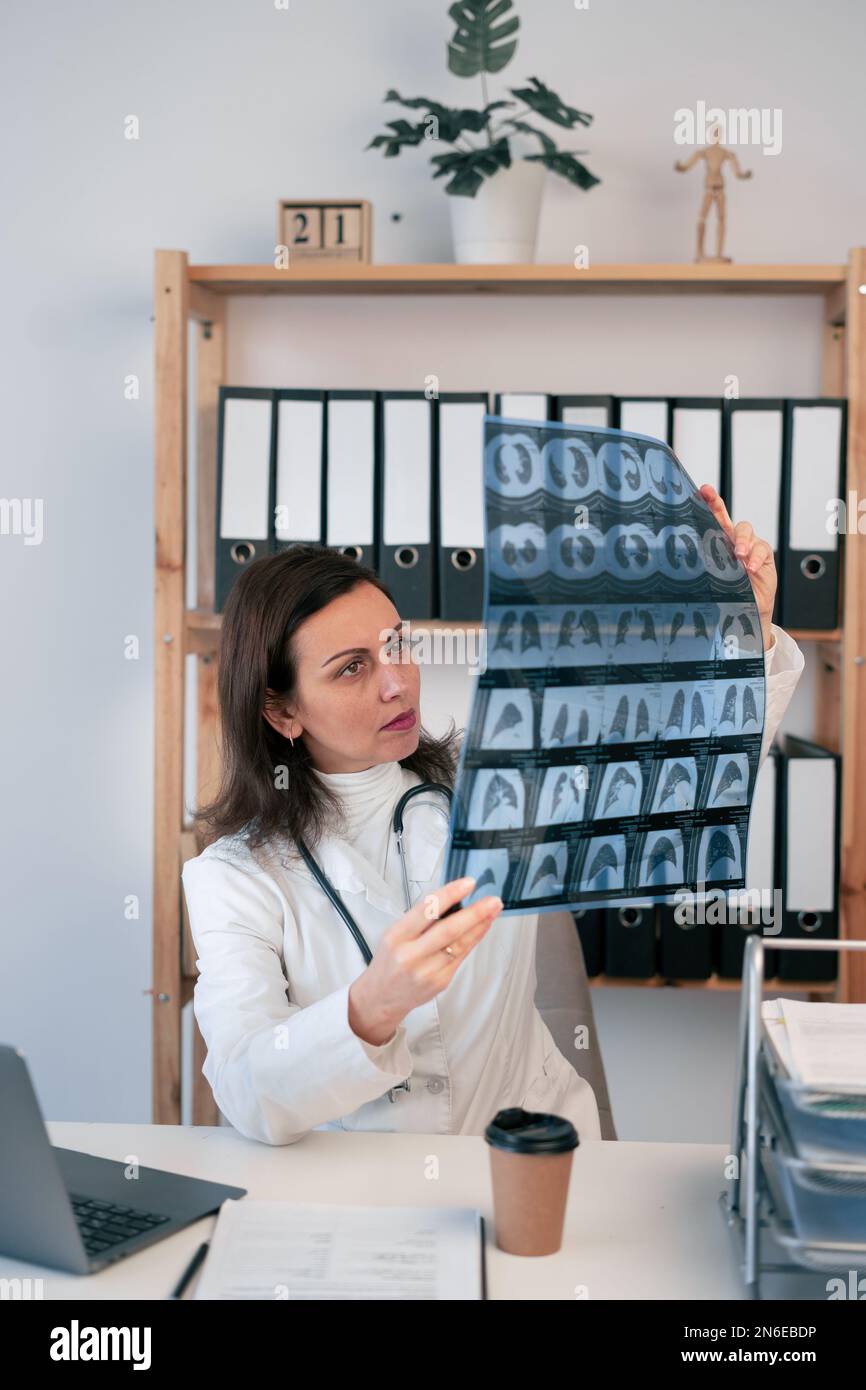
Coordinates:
[299,471]
[407,473]
[756,471]
[246,469]
[645,417]
[461,473]
[759,856]
[817,431]
[351,465]
[698,444]
[811,835]
[595,415]
[516,405]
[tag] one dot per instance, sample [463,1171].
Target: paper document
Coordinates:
[305,1250]
[827,1042]
[777,1034]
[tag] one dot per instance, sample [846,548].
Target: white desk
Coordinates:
[643,1220]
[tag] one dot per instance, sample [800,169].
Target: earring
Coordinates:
[291,741]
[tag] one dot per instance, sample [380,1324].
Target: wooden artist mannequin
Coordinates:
[715,157]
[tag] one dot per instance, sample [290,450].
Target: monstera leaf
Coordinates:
[550,106]
[548,145]
[468,171]
[450,121]
[481,43]
[564,163]
[400,135]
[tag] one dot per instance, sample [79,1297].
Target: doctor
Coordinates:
[321,735]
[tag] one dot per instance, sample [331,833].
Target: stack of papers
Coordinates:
[818,1044]
[305,1250]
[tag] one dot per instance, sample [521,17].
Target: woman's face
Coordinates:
[354,679]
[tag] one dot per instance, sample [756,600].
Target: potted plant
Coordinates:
[495,181]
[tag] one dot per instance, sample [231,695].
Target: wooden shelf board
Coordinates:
[203,629]
[317,277]
[714,982]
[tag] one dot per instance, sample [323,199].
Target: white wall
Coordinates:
[240,104]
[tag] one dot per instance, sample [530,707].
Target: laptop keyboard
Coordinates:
[104,1224]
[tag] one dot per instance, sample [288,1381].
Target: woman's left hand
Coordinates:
[756,555]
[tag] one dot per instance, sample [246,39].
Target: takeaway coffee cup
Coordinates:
[530,1166]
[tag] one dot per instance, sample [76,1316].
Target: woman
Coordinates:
[321,734]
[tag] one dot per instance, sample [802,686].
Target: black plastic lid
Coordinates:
[527,1132]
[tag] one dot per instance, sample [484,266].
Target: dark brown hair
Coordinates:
[266,605]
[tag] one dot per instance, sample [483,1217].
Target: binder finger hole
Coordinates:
[354,552]
[630,916]
[813,566]
[463,559]
[809,921]
[242,552]
[406,557]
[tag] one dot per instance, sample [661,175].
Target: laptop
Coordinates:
[74,1211]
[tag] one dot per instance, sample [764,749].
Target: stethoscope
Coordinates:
[333,896]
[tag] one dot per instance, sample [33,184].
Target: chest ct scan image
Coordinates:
[614,737]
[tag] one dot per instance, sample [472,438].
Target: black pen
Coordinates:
[190,1270]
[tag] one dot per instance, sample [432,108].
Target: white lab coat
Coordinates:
[275,964]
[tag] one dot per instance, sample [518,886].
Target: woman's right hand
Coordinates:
[410,964]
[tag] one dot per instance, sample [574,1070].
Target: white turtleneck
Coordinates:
[369,799]
[364,794]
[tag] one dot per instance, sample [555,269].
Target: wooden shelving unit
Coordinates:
[317,278]
[184,292]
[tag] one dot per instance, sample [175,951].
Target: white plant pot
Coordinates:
[499,225]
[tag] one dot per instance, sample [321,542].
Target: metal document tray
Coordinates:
[780,1199]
